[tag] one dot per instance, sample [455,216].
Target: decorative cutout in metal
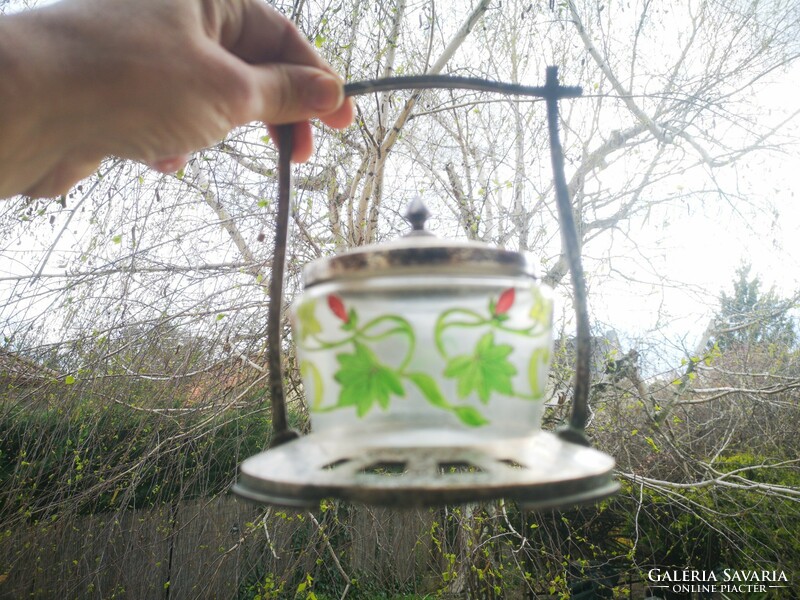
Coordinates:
[427,467]
[424,363]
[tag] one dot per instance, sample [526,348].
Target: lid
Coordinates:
[419,252]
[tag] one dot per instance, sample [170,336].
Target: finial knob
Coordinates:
[416,214]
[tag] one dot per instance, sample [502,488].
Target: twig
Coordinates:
[332,552]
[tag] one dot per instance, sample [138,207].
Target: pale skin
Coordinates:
[152,81]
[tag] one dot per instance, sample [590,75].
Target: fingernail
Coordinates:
[324,93]
[170,165]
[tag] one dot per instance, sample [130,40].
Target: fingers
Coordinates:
[288,68]
[292,93]
[60,179]
[264,35]
[302,140]
[171,164]
[295,94]
[342,117]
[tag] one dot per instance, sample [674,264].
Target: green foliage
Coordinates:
[709,528]
[751,316]
[96,457]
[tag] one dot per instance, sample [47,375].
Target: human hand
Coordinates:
[150,80]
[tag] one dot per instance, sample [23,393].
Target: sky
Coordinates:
[699,251]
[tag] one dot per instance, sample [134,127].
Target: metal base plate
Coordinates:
[424,467]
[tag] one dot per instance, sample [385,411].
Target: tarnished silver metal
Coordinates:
[416,215]
[404,432]
[419,251]
[427,467]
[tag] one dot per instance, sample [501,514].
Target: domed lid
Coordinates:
[419,252]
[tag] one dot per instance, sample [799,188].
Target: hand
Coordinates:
[149,80]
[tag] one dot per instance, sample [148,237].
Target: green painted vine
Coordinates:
[365,382]
[487,369]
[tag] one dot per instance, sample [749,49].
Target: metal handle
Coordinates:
[552,92]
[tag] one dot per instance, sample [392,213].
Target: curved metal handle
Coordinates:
[551,92]
[449,82]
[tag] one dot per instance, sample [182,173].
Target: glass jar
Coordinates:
[422,333]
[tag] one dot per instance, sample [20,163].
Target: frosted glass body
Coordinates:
[468,353]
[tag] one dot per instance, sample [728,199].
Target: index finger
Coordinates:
[260,34]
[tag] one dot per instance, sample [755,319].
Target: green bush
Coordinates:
[95,455]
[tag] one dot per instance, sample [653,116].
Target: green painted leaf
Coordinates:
[319,40]
[365,380]
[486,371]
[458,366]
[69,380]
[117,239]
[470,416]
[430,389]
[537,365]
[310,372]
[542,309]
[352,321]
[307,320]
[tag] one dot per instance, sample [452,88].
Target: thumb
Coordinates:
[293,93]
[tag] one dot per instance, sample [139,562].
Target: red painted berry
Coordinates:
[337,307]
[505,302]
